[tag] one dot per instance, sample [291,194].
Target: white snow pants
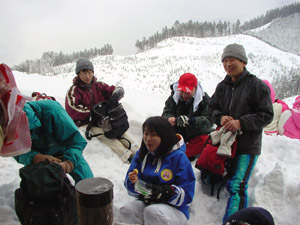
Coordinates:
[119,146]
[136,212]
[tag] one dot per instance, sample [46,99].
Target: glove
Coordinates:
[182,121]
[216,135]
[192,120]
[145,199]
[161,193]
[42,158]
[227,140]
[117,94]
[67,166]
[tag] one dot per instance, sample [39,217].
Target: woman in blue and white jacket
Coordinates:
[163,165]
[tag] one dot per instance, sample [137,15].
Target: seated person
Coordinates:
[170,180]
[251,216]
[85,92]
[186,110]
[279,107]
[55,138]
[289,123]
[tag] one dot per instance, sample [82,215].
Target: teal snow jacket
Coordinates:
[54,133]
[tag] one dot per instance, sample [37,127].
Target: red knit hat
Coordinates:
[187,82]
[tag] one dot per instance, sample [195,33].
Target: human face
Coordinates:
[187,96]
[233,67]
[151,139]
[86,76]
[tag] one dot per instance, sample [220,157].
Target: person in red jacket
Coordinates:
[87,91]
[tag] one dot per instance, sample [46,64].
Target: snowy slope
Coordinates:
[275,181]
[154,69]
[283,33]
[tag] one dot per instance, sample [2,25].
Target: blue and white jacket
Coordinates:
[174,169]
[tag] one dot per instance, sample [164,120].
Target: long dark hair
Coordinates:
[164,130]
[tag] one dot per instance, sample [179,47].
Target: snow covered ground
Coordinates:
[274,184]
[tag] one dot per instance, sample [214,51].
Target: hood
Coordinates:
[197,98]
[296,116]
[33,120]
[180,146]
[297,102]
[271,90]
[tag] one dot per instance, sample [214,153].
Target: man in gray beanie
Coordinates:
[241,102]
[235,50]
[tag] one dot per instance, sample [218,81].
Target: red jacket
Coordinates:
[81,97]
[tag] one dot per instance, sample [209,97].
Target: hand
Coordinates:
[117,94]
[67,166]
[132,176]
[233,125]
[42,158]
[172,121]
[192,120]
[225,119]
[161,193]
[182,121]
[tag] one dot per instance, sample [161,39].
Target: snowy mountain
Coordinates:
[146,77]
[283,33]
[154,69]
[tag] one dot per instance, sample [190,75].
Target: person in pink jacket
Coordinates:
[14,131]
[289,123]
[4,88]
[279,107]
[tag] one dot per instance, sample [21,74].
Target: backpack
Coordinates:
[41,96]
[111,117]
[45,196]
[215,168]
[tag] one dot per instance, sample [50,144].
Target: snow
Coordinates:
[274,184]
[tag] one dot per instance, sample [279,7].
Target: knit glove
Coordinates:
[117,94]
[192,120]
[42,158]
[161,193]
[67,166]
[182,121]
[227,140]
[216,135]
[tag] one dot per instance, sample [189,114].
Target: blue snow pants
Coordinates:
[237,185]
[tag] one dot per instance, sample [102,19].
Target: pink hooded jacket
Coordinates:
[16,132]
[291,127]
[279,107]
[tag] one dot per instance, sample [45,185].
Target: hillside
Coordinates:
[283,33]
[155,69]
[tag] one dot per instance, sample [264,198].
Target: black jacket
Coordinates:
[202,124]
[248,100]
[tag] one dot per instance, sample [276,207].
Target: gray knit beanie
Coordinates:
[83,64]
[236,51]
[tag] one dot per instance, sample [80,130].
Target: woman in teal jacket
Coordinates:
[55,138]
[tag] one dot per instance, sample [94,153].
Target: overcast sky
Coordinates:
[31,27]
